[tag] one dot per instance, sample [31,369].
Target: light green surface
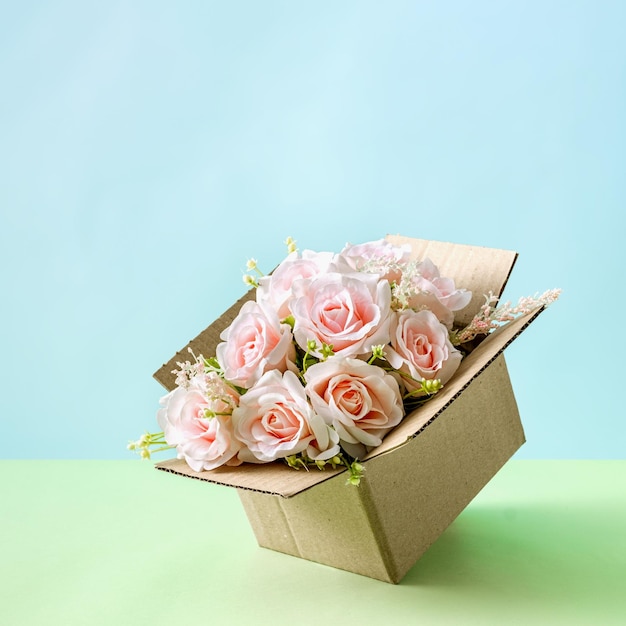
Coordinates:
[116,542]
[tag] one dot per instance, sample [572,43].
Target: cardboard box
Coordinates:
[424,473]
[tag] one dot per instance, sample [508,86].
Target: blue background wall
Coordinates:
[147,149]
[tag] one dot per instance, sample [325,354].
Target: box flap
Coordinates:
[279,479]
[475,268]
[273,478]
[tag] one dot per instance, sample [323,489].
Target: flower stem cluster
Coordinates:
[290,242]
[146,441]
[187,370]
[404,289]
[355,469]
[308,358]
[378,354]
[426,388]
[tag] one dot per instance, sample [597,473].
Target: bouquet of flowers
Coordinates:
[333,352]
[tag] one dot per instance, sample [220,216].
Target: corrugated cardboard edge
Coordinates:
[271,478]
[278,479]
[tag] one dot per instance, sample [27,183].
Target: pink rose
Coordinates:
[436,293]
[254,343]
[349,312]
[196,420]
[420,347]
[274,420]
[275,290]
[360,401]
[376,257]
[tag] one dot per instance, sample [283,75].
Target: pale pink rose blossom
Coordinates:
[350,312]
[274,420]
[325,445]
[275,290]
[196,421]
[377,257]
[360,401]
[254,343]
[436,293]
[420,347]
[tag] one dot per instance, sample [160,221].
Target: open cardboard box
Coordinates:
[424,473]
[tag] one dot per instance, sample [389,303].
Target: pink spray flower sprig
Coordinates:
[491,316]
